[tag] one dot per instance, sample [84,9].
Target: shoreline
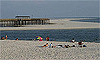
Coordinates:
[48,41]
[51,29]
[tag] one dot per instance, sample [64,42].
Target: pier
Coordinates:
[21,22]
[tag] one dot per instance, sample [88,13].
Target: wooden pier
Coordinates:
[21,22]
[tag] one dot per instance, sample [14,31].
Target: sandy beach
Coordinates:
[57,24]
[70,27]
[26,50]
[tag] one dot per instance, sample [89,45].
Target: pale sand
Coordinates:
[12,49]
[58,24]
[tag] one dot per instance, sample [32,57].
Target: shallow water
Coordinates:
[89,35]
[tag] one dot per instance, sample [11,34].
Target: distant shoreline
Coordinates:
[57,24]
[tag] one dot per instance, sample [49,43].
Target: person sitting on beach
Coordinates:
[16,38]
[46,45]
[73,40]
[51,45]
[6,37]
[47,39]
[80,43]
[2,38]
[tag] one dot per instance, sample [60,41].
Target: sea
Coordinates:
[64,35]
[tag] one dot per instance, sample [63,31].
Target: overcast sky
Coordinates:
[48,8]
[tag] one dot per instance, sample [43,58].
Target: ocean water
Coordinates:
[97,20]
[93,19]
[89,35]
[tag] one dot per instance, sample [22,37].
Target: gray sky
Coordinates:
[48,8]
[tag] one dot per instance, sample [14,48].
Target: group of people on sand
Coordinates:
[80,44]
[4,38]
[52,46]
[38,38]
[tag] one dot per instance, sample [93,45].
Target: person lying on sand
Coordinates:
[60,46]
[73,46]
[51,45]
[67,46]
[46,45]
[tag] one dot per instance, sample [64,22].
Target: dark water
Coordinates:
[92,19]
[89,35]
[97,20]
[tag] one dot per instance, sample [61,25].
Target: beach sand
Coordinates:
[57,24]
[26,50]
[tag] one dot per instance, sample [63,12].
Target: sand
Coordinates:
[57,24]
[26,50]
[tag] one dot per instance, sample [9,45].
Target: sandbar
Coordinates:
[57,24]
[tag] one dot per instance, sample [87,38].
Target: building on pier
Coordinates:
[22,16]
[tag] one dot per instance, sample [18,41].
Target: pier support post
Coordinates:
[25,22]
